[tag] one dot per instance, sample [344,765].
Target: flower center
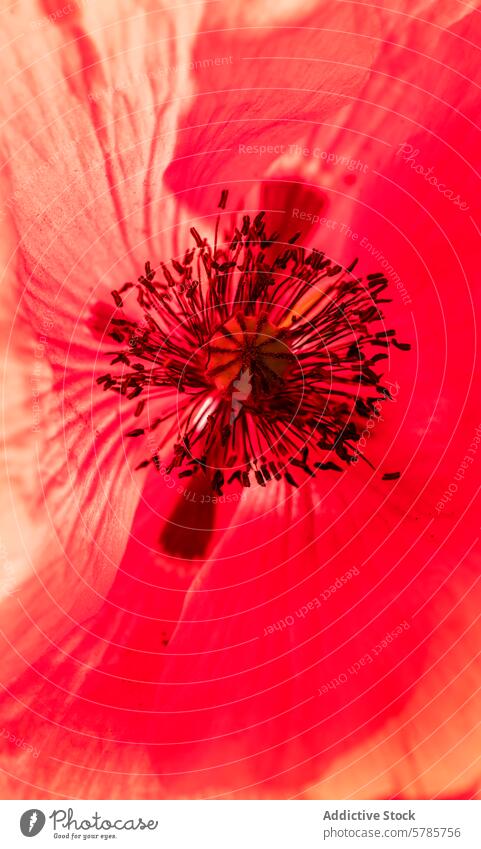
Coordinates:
[249,343]
[261,355]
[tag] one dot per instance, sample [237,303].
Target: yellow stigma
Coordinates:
[247,342]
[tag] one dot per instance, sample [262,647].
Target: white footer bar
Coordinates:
[242,824]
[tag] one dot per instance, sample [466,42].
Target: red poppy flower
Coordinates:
[240,540]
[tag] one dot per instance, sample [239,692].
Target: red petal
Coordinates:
[263,93]
[82,181]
